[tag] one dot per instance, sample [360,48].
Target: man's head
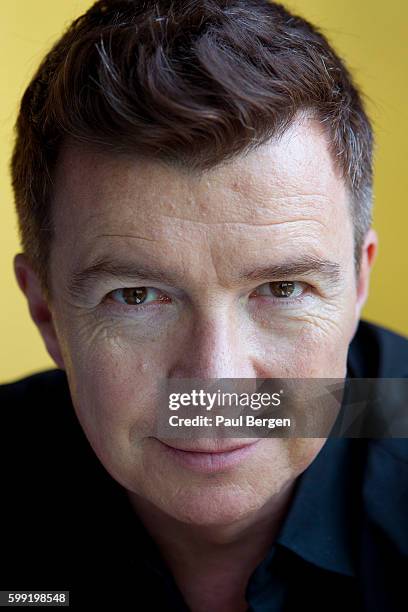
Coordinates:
[189,162]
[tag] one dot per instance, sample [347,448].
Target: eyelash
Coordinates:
[157,304]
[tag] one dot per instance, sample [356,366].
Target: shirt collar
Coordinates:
[320,520]
[318,526]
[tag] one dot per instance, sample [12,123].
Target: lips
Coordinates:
[208,458]
[208,448]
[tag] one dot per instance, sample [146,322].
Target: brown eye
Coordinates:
[134,295]
[282,288]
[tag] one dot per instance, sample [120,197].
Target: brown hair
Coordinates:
[193,83]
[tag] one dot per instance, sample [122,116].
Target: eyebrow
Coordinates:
[106,269]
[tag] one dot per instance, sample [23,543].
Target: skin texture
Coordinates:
[284,200]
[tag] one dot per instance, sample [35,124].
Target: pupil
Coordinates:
[135,295]
[284,288]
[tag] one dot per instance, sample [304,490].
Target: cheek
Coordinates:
[313,346]
[321,352]
[281,460]
[114,388]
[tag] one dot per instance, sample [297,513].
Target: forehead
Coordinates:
[285,181]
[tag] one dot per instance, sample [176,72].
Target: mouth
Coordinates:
[208,460]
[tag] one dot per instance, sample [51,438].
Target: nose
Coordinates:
[216,345]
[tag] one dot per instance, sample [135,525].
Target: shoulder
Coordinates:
[41,384]
[41,401]
[379,352]
[38,421]
[385,490]
[43,443]
[56,486]
[376,351]
[383,558]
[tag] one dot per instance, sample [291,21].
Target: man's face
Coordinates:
[205,312]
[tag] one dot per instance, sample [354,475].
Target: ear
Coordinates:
[40,312]
[368,255]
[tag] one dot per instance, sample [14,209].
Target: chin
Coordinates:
[218,504]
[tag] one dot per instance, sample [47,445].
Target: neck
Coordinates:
[212,564]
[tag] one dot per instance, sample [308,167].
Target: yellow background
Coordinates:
[369,34]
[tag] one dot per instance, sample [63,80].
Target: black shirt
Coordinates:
[66,524]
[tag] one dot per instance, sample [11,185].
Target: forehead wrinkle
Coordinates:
[252,222]
[126,236]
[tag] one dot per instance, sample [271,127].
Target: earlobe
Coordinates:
[20,265]
[368,256]
[39,309]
